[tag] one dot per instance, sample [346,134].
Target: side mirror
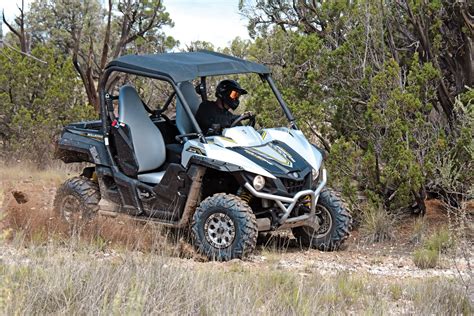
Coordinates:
[201,90]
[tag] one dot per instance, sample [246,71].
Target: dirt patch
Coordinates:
[20,197]
[27,208]
[29,216]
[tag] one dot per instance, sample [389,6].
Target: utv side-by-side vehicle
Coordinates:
[227,187]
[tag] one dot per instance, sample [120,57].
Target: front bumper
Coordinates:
[287,204]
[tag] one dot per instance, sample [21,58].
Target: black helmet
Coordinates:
[230,91]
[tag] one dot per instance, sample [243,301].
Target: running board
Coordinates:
[140,219]
[108,207]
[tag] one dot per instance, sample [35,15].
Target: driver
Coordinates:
[213,113]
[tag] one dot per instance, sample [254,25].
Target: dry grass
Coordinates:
[438,243]
[425,258]
[32,224]
[54,280]
[376,225]
[35,228]
[419,230]
[113,266]
[26,172]
[31,220]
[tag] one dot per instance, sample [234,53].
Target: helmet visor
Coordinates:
[234,95]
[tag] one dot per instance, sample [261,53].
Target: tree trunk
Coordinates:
[21,33]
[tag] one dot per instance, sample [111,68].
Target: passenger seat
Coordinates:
[148,143]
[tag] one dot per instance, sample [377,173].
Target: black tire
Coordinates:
[77,200]
[335,223]
[224,227]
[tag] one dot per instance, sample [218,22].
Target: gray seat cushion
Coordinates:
[146,138]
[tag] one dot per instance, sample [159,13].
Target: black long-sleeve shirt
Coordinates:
[209,113]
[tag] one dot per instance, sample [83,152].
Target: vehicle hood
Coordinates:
[276,152]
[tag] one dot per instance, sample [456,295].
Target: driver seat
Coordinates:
[148,143]
[183,123]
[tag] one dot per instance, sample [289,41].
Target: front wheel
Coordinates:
[224,227]
[334,224]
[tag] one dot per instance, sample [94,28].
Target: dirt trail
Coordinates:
[28,207]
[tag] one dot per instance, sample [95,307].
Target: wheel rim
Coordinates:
[71,209]
[325,223]
[219,230]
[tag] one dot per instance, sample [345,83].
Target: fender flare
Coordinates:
[77,148]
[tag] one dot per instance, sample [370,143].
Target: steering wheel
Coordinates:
[246,116]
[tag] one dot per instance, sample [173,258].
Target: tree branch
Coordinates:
[25,54]
[325,143]
[148,27]
[106,47]
[9,26]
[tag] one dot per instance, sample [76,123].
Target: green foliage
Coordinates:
[379,118]
[66,24]
[93,33]
[425,258]
[376,108]
[361,78]
[238,47]
[195,46]
[453,162]
[392,124]
[345,170]
[440,241]
[36,100]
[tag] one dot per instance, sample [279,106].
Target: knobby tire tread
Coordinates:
[244,215]
[342,219]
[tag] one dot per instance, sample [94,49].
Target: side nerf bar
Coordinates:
[291,201]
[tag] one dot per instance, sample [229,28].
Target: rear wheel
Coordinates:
[224,227]
[77,200]
[334,224]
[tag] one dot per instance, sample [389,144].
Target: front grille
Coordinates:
[294,186]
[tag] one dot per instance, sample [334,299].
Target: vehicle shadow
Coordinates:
[278,242]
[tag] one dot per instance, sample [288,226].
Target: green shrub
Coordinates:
[428,255]
[36,100]
[440,241]
[425,258]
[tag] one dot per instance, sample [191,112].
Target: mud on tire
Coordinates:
[77,200]
[335,223]
[224,227]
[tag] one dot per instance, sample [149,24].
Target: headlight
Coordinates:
[315,175]
[258,182]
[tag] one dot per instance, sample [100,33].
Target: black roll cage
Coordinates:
[109,70]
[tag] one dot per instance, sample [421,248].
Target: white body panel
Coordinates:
[247,137]
[296,140]
[244,136]
[219,153]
